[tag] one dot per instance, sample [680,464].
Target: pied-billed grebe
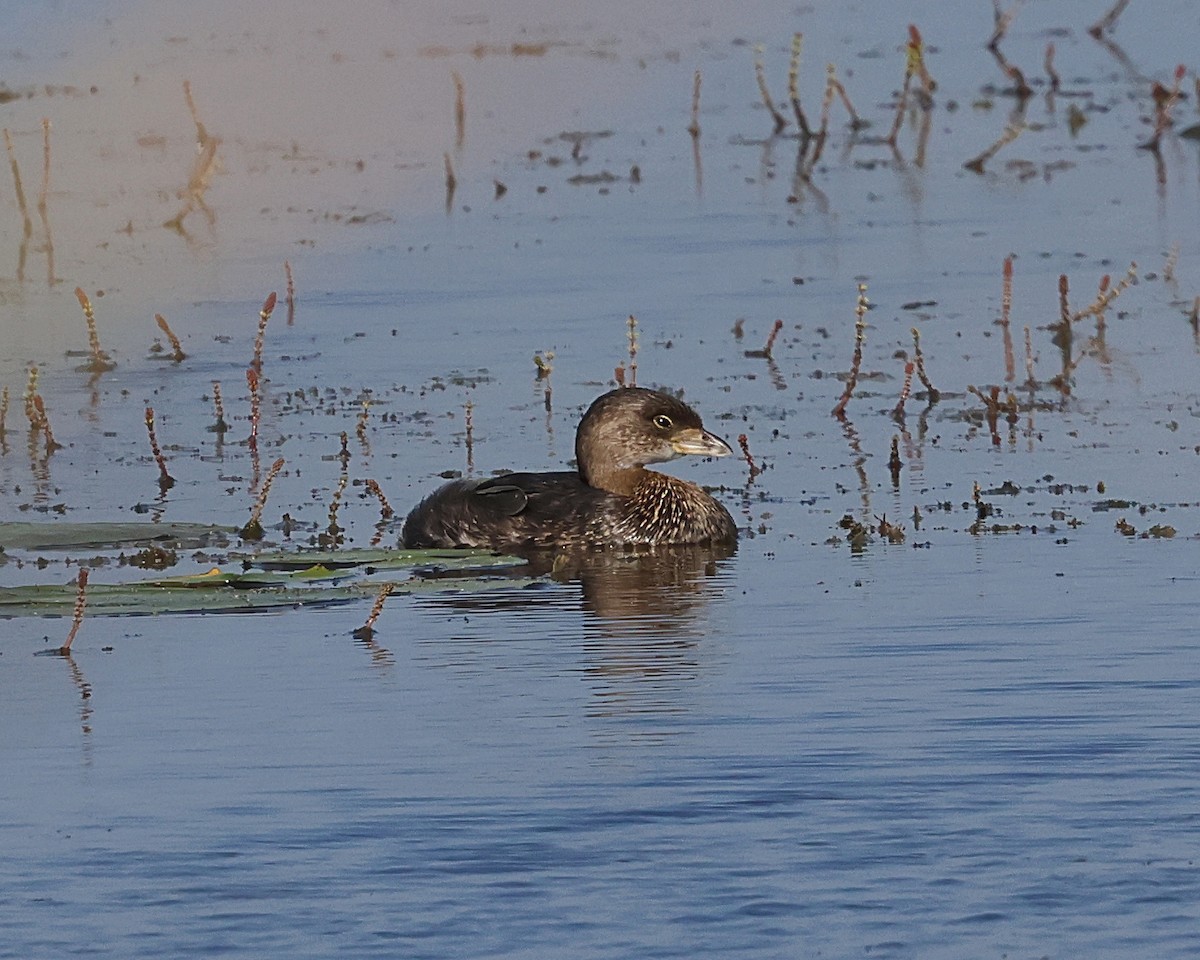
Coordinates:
[612,500]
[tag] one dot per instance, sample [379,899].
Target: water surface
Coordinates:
[978,742]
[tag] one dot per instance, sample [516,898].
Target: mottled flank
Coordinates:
[611,501]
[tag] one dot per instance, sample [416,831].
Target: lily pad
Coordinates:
[77,536]
[218,592]
[380,559]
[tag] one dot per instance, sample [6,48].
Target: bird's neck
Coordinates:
[623,481]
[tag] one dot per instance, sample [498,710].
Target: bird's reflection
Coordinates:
[644,615]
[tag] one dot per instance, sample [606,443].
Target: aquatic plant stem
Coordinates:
[761,76]
[291,293]
[794,86]
[460,110]
[100,361]
[80,604]
[253,529]
[898,411]
[1109,20]
[385,509]
[1005,310]
[367,630]
[860,335]
[221,425]
[744,443]
[631,323]
[165,480]
[264,315]
[177,353]
[694,127]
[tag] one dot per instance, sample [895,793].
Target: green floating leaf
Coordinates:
[380,559]
[143,599]
[219,592]
[75,536]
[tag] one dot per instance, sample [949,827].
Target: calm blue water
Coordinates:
[982,742]
[883,774]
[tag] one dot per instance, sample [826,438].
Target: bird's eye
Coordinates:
[663,422]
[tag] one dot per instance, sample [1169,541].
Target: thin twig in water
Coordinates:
[1109,20]
[1002,20]
[919,359]
[204,168]
[44,424]
[895,464]
[860,335]
[769,345]
[177,353]
[1165,99]
[22,205]
[760,74]
[1107,295]
[264,315]
[694,126]
[44,202]
[1005,309]
[460,110]
[898,411]
[794,86]
[1055,80]
[1011,132]
[291,293]
[385,509]
[451,181]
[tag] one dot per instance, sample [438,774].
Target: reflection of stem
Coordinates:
[1001,20]
[460,111]
[694,130]
[203,170]
[291,293]
[1109,20]
[27,230]
[85,692]
[860,466]
[451,182]
[43,197]
[469,417]
[1005,310]
[1011,132]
